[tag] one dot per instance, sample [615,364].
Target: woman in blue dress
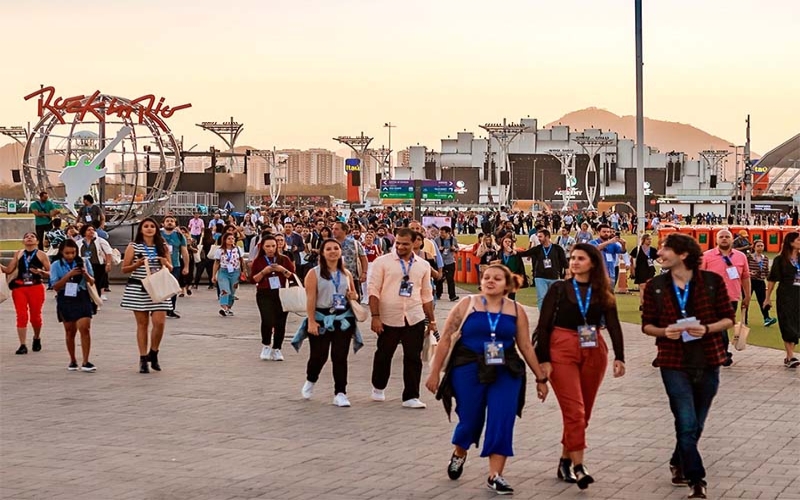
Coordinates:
[484,372]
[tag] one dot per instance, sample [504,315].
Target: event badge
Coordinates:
[610,257]
[733,273]
[547,263]
[274,282]
[797,278]
[339,302]
[169,247]
[587,335]
[494,353]
[88,218]
[687,322]
[27,279]
[71,290]
[406,287]
[651,263]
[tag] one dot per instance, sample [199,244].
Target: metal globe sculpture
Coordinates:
[120,151]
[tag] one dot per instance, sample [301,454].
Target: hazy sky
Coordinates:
[298,72]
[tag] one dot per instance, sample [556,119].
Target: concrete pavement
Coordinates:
[218,423]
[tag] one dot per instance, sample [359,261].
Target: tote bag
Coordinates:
[160,285]
[740,334]
[293,298]
[359,310]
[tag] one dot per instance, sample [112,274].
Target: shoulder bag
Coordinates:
[293,298]
[740,334]
[160,285]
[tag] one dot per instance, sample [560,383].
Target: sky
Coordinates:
[299,72]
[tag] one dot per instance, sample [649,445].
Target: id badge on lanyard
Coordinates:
[796,265]
[587,334]
[493,352]
[406,286]
[339,300]
[71,289]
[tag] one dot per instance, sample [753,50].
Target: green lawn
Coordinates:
[10,244]
[628,304]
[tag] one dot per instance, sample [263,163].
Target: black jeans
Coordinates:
[273,319]
[337,343]
[759,288]
[100,277]
[411,336]
[206,265]
[40,230]
[449,274]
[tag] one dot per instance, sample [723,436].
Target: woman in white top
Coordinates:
[227,270]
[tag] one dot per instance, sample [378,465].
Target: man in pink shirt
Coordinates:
[400,299]
[732,265]
[196,226]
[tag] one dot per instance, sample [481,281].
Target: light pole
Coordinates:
[592,145]
[567,159]
[382,156]
[390,127]
[641,226]
[737,189]
[231,128]
[277,164]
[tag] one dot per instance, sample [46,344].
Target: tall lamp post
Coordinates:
[277,164]
[390,127]
[567,159]
[382,156]
[641,226]
[504,133]
[738,187]
[231,129]
[592,145]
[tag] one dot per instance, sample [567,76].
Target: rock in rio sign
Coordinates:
[144,107]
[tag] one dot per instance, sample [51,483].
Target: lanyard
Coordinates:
[269,263]
[505,259]
[493,318]
[547,251]
[583,307]
[229,254]
[683,297]
[27,259]
[337,281]
[406,272]
[150,254]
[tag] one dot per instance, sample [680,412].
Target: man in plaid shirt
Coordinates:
[687,310]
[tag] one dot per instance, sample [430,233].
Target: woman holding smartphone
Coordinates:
[269,272]
[70,275]
[147,246]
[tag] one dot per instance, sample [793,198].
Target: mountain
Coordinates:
[664,135]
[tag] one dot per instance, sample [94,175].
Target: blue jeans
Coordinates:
[227,282]
[690,395]
[542,286]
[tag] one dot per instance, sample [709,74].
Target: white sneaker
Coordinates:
[378,395]
[104,298]
[340,400]
[414,403]
[276,355]
[266,353]
[308,390]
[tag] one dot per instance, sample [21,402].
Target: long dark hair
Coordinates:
[68,243]
[267,237]
[324,272]
[786,249]
[598,276]
[208,238]
[158,240]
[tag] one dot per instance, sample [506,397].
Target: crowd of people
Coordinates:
[383,266]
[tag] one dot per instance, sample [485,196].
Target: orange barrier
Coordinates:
[787,230]
[703,236]
[664,231]
[461,275]
[687,230]
[471,262]
[756,233]
[773,238]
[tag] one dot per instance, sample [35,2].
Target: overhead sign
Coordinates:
[438,190]
[352,165]
[146,106]
[394,189]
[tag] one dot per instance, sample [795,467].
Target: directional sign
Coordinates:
[438,190]
[394,189]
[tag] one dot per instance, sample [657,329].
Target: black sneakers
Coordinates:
[37,344]
[584,479]
[23,349]
[677,476]
[173,315]
[456,467]
[788,363]
[73,366]
[499,485]
[88,367]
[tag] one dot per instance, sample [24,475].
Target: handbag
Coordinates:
[196,255]
[740,334]
[160,285]
[94,295]
[360,311]
[293,298]
[116,257]
[456,335]
[429,347]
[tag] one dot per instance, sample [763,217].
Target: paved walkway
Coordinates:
[220,424]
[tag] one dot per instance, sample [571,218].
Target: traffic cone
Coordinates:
[622,280]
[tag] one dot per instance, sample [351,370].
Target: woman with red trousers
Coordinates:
[573,353]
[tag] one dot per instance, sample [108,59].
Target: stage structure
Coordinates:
[277,175]
[232,129]
[592,145]
[504,133]
[74,138]
[714,162]
[356,191]
[567,159]
[382,156]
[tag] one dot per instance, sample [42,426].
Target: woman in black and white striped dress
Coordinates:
[147,245]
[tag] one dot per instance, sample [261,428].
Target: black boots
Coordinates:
[143,368]
[152,356]
[584,479]
[565,471]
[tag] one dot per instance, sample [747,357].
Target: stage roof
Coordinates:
[781,156]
